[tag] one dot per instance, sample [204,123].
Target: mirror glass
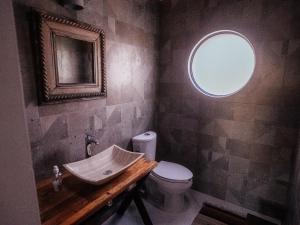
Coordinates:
[74,61]
[222,63]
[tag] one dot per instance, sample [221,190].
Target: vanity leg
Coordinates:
[125,204]
[134,195]
[142,209]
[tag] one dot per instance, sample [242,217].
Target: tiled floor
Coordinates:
[158,217]
[196,200]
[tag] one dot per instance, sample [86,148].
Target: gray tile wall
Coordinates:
[240,147]
[57,132]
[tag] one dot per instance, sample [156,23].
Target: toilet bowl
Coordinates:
[171,180]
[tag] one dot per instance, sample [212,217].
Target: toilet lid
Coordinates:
[172,171]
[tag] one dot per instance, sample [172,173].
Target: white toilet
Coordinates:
[171,179]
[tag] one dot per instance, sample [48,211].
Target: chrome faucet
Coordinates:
[90,141]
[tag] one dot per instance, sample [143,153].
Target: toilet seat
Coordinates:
[172,172]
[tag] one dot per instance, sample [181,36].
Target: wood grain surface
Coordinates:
[78,200]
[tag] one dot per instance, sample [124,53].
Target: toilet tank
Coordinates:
[145,143]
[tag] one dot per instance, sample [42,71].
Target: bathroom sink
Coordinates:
[104,166]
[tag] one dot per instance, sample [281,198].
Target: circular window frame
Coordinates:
[194,51]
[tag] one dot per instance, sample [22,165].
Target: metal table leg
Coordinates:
[134,195]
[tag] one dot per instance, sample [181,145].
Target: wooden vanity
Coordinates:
[78,200]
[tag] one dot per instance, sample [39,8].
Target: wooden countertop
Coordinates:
[78,200]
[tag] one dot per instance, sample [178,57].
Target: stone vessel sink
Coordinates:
[104,166]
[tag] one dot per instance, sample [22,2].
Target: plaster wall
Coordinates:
[18,201]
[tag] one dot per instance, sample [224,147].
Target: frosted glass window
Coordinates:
[221,63]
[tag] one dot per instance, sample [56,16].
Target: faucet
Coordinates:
[89,141]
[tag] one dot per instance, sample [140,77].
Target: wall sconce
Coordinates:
[73,4]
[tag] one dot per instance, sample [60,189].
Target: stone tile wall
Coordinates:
[57,132]
[240,147]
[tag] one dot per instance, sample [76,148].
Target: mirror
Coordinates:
[71,59]
[74,61]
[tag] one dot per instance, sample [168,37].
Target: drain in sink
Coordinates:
[107,172]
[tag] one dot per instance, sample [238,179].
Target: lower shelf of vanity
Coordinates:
[77,200]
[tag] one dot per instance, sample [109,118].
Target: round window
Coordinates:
[221,63]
